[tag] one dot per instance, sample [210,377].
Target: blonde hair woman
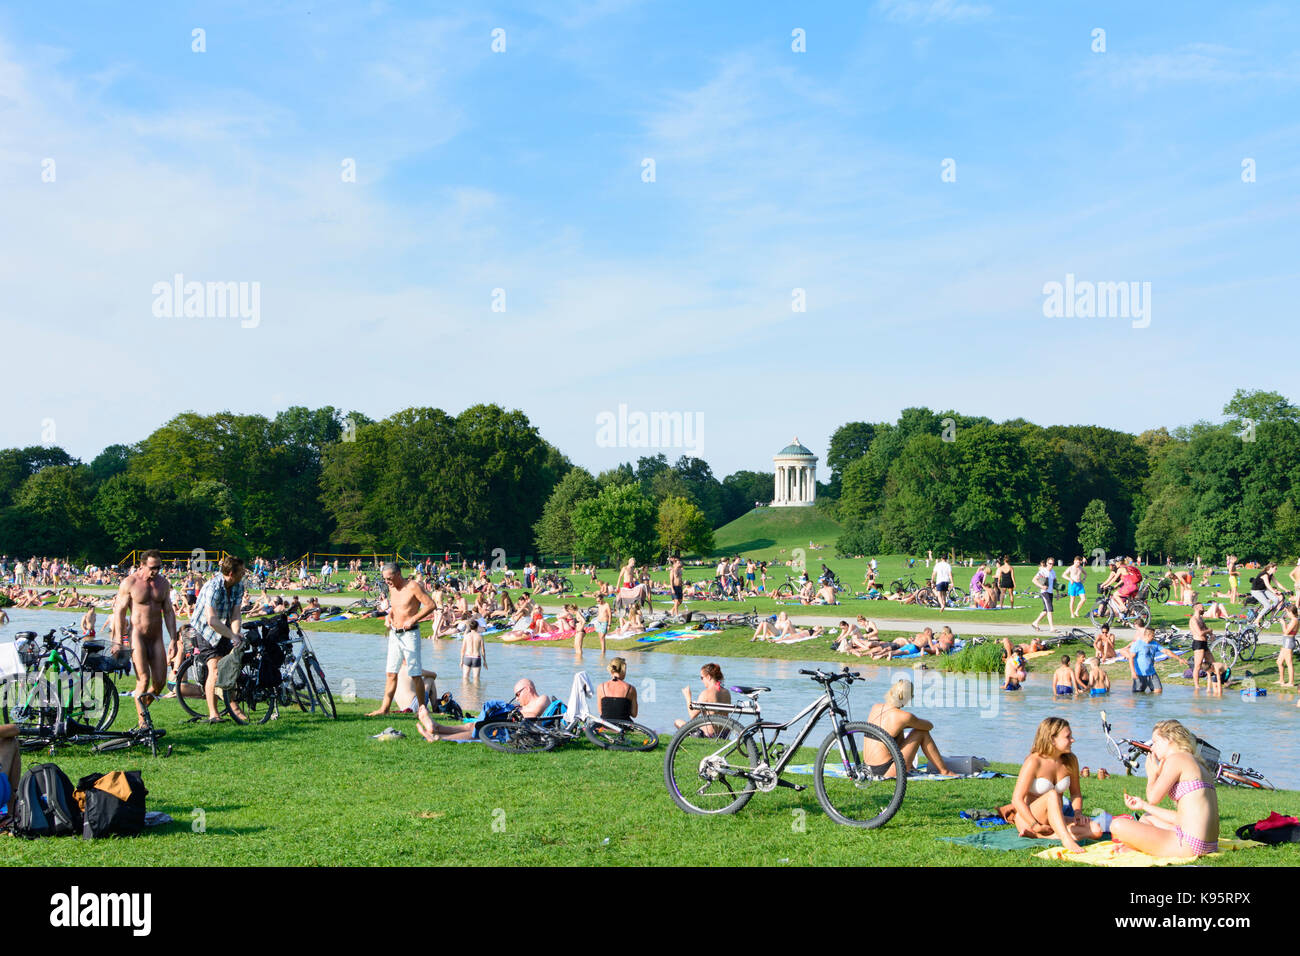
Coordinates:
[1173,770]
[911,733]
[616,698]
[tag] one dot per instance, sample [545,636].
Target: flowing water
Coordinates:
[970,714]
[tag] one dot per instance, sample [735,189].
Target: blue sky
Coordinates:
[522,171]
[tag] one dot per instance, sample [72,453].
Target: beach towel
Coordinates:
[800,640]
[1005,839]
[667,636]
[1109,853]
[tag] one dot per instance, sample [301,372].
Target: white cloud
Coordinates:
[933,11]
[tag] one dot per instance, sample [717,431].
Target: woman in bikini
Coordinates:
[1048,801]
[911,733]
[1173,770]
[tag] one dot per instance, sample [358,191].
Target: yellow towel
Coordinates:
[1108,853]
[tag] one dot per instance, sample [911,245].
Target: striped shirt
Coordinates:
[214,595]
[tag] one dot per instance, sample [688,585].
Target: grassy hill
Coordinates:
[763,532]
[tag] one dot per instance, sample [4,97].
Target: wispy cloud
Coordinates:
[933,11]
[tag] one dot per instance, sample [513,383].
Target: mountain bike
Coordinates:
[904,585]
[304,678]
[714,765]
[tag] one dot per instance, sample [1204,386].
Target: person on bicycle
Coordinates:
[1263,588]
[1129,578]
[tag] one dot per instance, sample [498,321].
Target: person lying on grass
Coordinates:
[1173,770]
[1048,775]
[912,734]
[857,638]
[783,631]
[531,704]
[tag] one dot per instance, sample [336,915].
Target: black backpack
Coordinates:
[1288,833]
[109,815]
[44,805]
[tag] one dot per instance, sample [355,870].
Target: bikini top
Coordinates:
[1183,787]
[1042,785]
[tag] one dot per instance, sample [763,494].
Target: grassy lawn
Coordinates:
[302,791]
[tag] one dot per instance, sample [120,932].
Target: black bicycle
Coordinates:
[714,765]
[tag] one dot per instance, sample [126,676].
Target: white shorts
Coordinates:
[404,646]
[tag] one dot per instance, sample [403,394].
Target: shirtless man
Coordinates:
[88,624]
[675,581]
[531,704]
[148,595]
[409,604]
[604,616]
[1202,636]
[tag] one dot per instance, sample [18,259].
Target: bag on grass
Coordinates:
[1273,829]
[45,805]
[114,804]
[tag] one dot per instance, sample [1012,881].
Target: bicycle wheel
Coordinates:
[33,704]
[109,745]
[898,586]
[1139,614]
[1162,593]
[851,791]
[321,690]
[703,765]
[1225,649]
[517,737]
[192,676]
[1248,642]
[784,592]
[927,597]
[1101,614]
[96,701]
[622,736]
[246,697]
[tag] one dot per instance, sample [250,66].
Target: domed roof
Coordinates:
[795,449]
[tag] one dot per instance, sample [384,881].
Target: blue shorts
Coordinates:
[1077,590]
[1098,691]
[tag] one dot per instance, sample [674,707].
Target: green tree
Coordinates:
[683,528]
[618,523]
[1096,531]
[554,529]
[848,443]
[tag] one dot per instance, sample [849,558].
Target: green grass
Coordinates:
[764,533]
[303,791]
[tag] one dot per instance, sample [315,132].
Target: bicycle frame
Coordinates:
[814,712]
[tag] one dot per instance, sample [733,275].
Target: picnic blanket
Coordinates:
[1006,839]
[662,636]
[1110,853]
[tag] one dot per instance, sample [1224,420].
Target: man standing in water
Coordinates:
[408,605]
[146,592]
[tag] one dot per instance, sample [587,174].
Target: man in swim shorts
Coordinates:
[1076,574]
[409,604]
[148,594]
[604,615]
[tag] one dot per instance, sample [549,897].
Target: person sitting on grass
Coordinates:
[945,640]
[1104,643]
[826,595]
[1191,829]
[912,734]
[1047,799]
[713,693]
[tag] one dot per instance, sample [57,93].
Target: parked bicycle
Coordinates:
[1131,753]
[57,687]
[520,735]
[714,765]
[1236,641]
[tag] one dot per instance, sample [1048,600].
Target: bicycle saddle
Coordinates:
[742,689]
[25,636]
[92,647]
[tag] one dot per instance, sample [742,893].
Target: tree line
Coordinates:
[944,481]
